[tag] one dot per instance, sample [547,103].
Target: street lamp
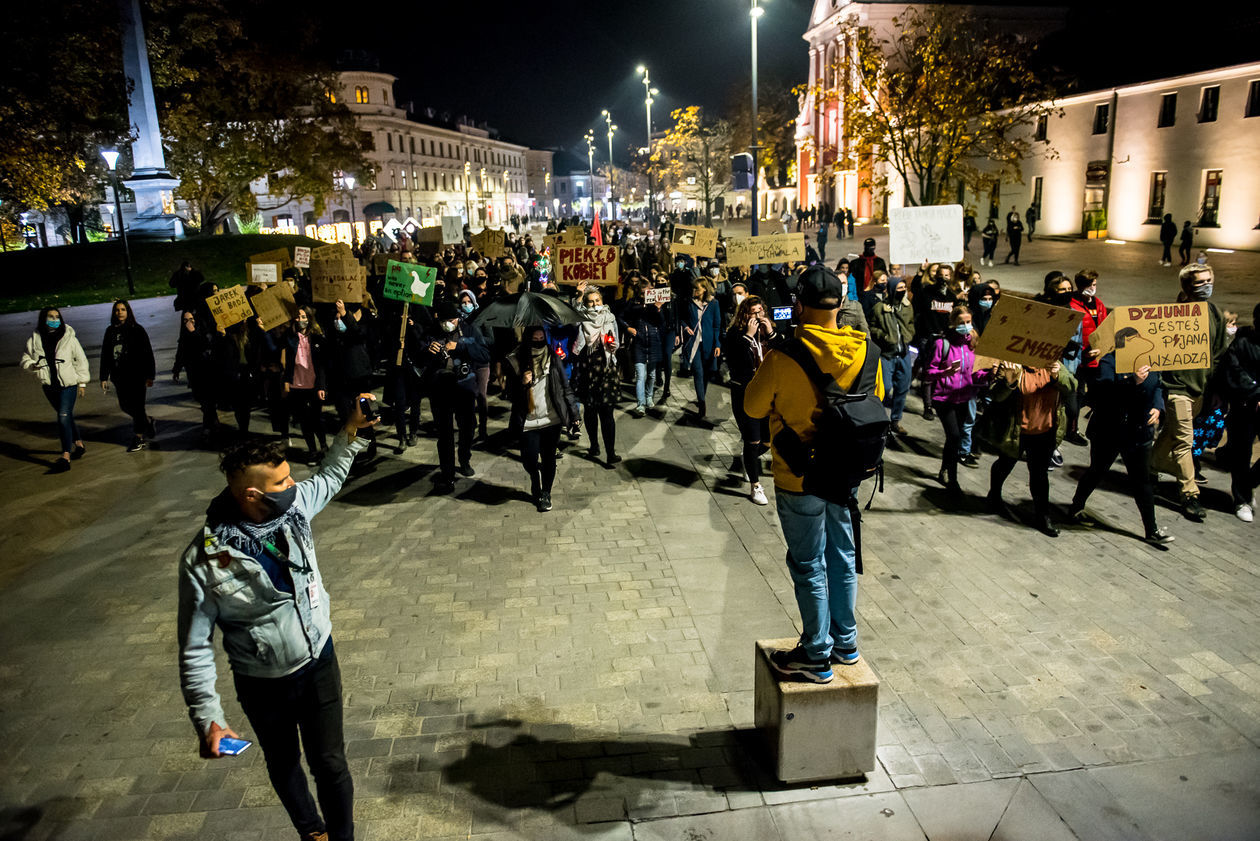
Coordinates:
[546,187]
[467,209]
[612,184]
[755,13]
[347,182]
[481,186]
[111,161]
[589,137]
[505,195]
[647,102]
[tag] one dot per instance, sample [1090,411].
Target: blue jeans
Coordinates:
[697,376]
[896,375]
[644,384]
[966,423]
[62,400]
[820,559]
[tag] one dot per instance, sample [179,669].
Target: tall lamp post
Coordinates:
[755,13]
[506,215]
[348,182]
[647,102]
[612,181]
[467,208]
[481,187]
[111,161]
[589,137]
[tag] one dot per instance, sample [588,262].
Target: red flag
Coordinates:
[596,230]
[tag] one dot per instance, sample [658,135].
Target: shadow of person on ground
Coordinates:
[650,468]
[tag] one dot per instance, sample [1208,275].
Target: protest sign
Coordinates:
[933,233]
[698,242]
[275,305]
[771,248]
[573,235]
[429,240]
[1167,337]
[229,307]
[276,255]
[1028,332]
[490,244]
[337,280]
[331,251]
[380,263]
[596,264]
[1103,339]
[452,230]
[410,282]
[301,256]
[262,274]
[657,295]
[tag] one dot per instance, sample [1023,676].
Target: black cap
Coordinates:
[869,241]
[446,310]
[819,282]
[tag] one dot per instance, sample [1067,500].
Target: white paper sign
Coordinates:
[452,230]
[301,256]
[933,233]
[263,273]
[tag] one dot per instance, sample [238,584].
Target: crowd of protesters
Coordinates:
[672,313]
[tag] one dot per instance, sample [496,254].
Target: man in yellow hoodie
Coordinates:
[819,534]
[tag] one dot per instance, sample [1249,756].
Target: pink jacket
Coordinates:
[958,386]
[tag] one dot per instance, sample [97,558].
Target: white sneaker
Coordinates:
[758,495]
[1246,513]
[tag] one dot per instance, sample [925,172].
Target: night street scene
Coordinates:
[610,422]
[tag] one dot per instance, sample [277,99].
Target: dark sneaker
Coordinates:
[444,486]
[1192,508]
[1076,438]
[466,469]
[544,503]
[137,445]
[795,663]
[845,656]
[1159,537]
[78,452]
[1056,459]
[613,459]
[593,453]
[969,460]
[1047,527]
[61,465]
[929,414]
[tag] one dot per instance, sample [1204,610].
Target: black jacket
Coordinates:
[1238,373]
[290,346]
[126,354]
[559,392]
[741,355]
[1122,406]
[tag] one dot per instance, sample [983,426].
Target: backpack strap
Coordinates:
[864,383]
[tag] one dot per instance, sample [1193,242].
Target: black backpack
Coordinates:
[849,437]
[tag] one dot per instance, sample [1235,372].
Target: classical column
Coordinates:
[150,181]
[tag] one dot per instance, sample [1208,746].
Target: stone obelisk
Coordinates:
[150,181]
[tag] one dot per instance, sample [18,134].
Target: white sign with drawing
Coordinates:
[933,234]
[452,230]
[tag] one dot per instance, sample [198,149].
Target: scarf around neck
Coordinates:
[225,520]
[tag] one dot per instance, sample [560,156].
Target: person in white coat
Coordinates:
[56,357]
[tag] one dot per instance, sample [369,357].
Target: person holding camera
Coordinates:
[750,338]
[251,572]
[452,350]
[542,407]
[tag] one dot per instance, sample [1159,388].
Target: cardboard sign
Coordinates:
[331,251]
[490,244]
[598,264]
[1167,337]
[1028,332]
[1103,339]
[337,280]
[410,282]
[230,307]
[573,235]
[301,256]
[933,233]
[263,274]
[772,248]
[275,305]
[698,242]
[380,263]
[657,295]
[276,255]
[429,240]
[452,230]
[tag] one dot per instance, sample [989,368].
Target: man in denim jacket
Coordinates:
[252,572]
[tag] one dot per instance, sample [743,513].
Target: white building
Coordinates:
[424,170]
[1125,156]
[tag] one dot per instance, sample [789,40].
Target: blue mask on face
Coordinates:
[963,329]
[986,304]
[53,323]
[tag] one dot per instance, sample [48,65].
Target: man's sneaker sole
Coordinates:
[845,658]
[814,673]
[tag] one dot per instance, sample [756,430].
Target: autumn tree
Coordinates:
[694,157]
[946,99]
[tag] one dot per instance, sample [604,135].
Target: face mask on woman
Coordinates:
[963,329]
[739,299]
[713,272]
[595,308]
[537,344]
[680,264]
[53,323]
[986,303]
[302,324]
[1090,292]
[449,326]
[1231,330]
[467,307]
[1201,293]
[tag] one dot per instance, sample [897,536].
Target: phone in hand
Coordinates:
[233,747]
[365,406]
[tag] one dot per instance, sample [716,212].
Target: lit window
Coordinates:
[332,97]
[1159,188]
[361,95]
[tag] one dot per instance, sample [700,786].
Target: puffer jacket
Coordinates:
[954,386]
[72,363]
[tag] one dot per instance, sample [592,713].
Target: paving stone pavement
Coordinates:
[587,673]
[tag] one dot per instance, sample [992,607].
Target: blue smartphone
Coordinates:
[231,747]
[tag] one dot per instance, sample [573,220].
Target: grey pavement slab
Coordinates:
[588,673]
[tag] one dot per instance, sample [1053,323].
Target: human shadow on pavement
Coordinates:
[387,487]
[488,493]
[16,823]
[650,468]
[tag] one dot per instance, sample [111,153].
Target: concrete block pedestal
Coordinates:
[816,731]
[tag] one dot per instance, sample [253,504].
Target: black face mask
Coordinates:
[538,343]
[1061,299]
[899,296]
[281,502]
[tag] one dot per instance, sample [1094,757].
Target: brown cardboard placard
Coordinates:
[229,307]
[337,280]
[598,264]
[768,248]
[331,251]
[276,255]
[275,305]
[1028,332]
[1167,337]
[696,241]
[490,243]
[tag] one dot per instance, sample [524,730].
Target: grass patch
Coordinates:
[74,275]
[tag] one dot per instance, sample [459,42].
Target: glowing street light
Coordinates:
[111,161]
[589,137]
[755,14]
[347,182]
[467,207]
[647,102]
[612,187]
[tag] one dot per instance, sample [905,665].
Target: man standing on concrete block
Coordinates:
[251,571]
[819,530]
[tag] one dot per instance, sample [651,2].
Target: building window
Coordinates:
[1036,195]
[393,182]
[1102,114]
[1211,199]
[411,144]
[400,143]
[1208,104]
[426,181]
[414,180]
[361,95]
[384,96]
[1159,185]
[367,142]
[1042,124]
[404,179]
[1168,110]
[332,97]
[389,141]
[1253,99]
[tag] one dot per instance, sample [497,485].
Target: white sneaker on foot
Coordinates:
[1245,512]
[758,495]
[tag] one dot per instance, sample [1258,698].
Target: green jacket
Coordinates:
[1193,382]
[999,425]
[886,321]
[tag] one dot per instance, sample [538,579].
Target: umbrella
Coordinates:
[528,309]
